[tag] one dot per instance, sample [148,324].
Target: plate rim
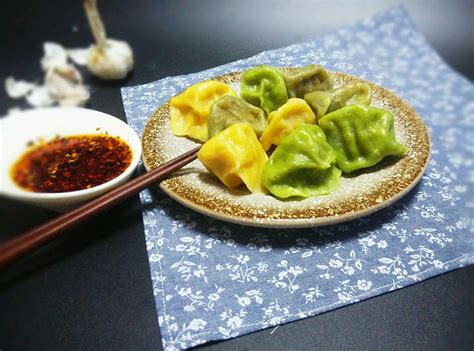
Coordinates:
[296,222]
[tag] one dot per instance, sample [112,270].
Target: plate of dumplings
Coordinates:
[288,147]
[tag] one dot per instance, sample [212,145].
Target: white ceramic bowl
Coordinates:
[19,129]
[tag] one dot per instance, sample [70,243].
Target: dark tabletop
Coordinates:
[91,288]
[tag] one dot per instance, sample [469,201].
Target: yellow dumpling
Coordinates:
[190,109]
[286,119]
[235,156]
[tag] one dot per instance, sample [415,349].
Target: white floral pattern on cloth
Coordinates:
[214,280]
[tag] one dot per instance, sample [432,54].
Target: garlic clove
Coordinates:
[64,85]
[17,88]
[39,97]
[70,73]
[77,97]
[114,61]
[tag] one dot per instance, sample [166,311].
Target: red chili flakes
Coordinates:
[72,163]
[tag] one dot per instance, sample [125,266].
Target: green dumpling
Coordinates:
[361,136]
[229,110]
[357,93]
[319,101]
[264,87]
[323,102]
[301,81]
[302,165]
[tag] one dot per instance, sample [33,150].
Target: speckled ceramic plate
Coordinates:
[358,194]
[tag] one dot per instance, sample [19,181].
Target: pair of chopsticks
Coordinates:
[34,238]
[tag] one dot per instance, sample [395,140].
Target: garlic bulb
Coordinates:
[109,59]
[112,62]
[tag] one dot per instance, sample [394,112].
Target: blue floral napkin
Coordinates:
[214,280]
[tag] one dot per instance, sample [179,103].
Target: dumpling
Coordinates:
[229,110]
[361,136]
[235,156]
[302,165]
[189,110]
[301,81]
[323,102]
[351,94]
[319,101]
[263,86]
[284,120]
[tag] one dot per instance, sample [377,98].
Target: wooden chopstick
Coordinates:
[32,239]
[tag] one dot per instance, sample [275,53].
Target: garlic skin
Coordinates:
[64,84]
[78,56]
[62,81]
[18,88]
[54,56]
[113,61]
[14,111]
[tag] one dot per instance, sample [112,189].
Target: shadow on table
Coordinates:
[68,244]
[102,228]
[263,238]
[98,82]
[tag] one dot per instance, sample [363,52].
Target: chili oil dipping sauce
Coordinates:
[71,163]
[51,187]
